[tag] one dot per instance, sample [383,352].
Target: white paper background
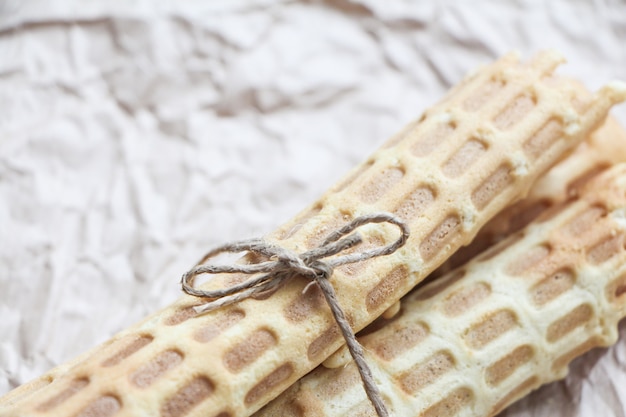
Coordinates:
[134,135]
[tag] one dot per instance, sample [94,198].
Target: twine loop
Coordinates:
[283,264]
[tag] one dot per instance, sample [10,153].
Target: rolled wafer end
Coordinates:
[609,95]
[615,89]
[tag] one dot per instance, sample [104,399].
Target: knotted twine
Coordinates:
[284,264]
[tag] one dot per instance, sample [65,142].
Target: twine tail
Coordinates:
[355,348]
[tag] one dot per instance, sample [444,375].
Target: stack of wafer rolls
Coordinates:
[446,175]
[488,333]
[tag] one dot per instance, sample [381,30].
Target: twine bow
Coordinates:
[284,264]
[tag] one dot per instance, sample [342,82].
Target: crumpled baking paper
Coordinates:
[136,135]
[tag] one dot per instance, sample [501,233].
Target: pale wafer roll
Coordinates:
[605,147]
[484,335]
[446,176]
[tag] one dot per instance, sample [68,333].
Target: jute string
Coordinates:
[284,264]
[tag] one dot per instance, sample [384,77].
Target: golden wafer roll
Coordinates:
[605,147]
[484,335]
[446,175]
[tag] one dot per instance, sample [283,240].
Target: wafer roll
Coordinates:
[446,175]
[484,335]
[605,147]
